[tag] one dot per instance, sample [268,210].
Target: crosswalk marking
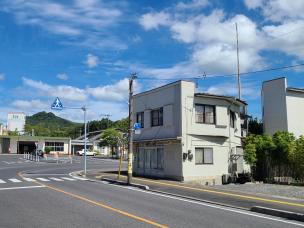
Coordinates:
[80,178]
[55,179]
[67,178]
[42,179]
[28,179]
[14,180]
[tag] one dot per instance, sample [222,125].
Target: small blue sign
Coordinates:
[137,126]
[57,104]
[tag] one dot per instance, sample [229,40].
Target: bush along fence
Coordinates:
[276,159]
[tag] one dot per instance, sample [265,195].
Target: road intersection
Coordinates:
[45,195]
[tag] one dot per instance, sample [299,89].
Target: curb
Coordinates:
[77,173]
[279,213]
[144,187]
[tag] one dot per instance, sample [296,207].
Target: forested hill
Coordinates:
[49,120]
[48,124]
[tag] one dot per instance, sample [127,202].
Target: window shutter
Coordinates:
[221,116]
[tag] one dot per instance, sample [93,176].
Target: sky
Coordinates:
[83,51]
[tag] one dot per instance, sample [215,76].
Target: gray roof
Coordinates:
[229,98]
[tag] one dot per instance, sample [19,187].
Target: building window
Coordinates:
[55,146]
[140,118]
[160,158]
[151,158]
[232,119]
[205,114]
[157,117]
[203,156]
[141,155]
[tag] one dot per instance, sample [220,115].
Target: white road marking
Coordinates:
[15,180]
[42,179]
[6,162]
[28,179]
[25,187]
[238,211]
[2,181]
[55,179]
[67,178]
[80,178]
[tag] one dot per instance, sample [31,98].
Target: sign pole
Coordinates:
[85,140]
[57,105]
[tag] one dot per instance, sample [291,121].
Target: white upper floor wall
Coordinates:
[184,112]
[283,107]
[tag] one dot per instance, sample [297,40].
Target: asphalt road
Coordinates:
[52,198]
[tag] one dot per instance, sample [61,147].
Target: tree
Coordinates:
[250,154]
[257,152]
[284,147]
[255,127]
[110,137]
[297,159]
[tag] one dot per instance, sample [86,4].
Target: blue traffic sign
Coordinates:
[137,126]
[57,104]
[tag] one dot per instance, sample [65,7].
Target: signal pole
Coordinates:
[130,151]
[238,61]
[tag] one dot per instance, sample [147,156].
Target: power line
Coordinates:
[225,75]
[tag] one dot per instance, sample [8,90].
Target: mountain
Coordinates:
[48,124]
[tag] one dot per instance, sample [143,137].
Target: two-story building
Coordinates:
[187,136]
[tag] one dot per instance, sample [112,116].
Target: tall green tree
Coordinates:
[284,147]
[111,137]
[297,159]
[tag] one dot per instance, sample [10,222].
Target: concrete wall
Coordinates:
[167,97]
[295,112]
[274,106]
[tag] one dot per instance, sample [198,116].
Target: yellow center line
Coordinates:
[224,193]
[102,205]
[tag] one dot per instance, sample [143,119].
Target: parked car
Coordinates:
[88,152]
[37,152]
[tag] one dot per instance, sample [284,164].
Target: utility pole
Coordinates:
[130,152]
[238,61]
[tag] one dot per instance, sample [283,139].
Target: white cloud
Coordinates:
[2,77]
[25,105]
[81,21]
[114,92]
[63,91]
[194,4]
[253,4]
[281,10]
[92,61]
[136,39]
[154,20]
[62,76]
[249,91]
[212,43]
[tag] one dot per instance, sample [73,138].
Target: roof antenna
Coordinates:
[238,61]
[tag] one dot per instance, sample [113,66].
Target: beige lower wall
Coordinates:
[186,170]
[172,163]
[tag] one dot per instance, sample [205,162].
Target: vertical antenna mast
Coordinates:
[238,61]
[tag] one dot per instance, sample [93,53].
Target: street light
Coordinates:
[57,105]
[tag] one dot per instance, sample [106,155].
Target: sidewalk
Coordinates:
[216,195]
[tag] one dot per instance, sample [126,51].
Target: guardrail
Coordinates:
[56,158]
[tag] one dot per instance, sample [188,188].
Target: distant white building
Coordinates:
[186,135]
[16,121]
[283,107]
